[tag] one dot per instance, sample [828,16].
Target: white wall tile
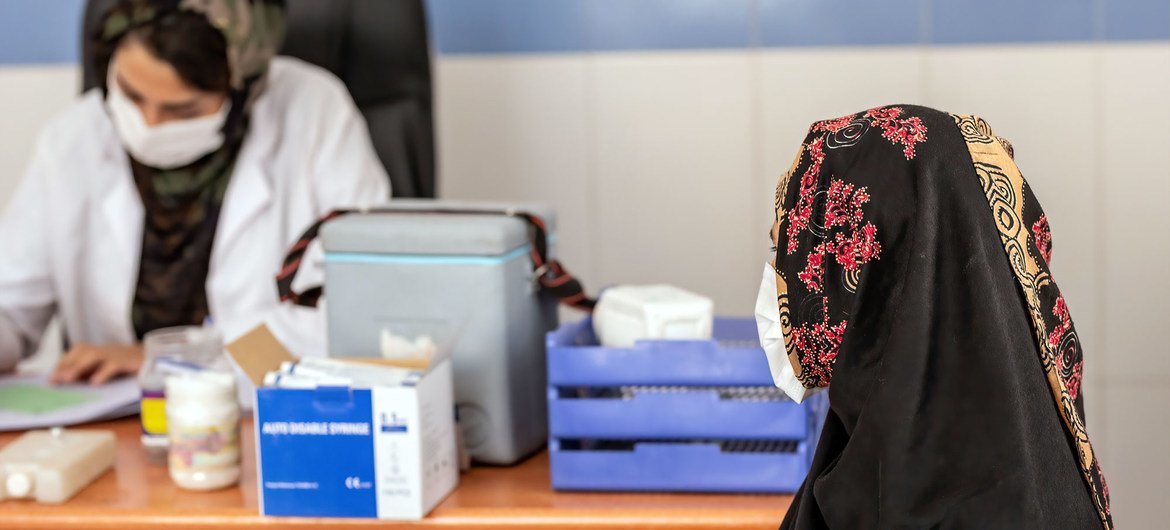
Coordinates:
[673,144]
[517,129]
[1136,180]
[1135,173]
[29,96]
[1043,99]
[1135,462]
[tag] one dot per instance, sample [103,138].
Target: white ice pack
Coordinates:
[628,313]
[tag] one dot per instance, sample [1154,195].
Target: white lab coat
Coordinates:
[71,238]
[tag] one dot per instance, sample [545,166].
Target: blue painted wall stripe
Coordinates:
[507,26]
[1137,19]
[47,31]
[551,26]
[669,24]
[841,22]
[964,21]
[418,259]
[40,31]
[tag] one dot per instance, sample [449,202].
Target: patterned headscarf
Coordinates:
[912,274]
[252,29]
[183,204]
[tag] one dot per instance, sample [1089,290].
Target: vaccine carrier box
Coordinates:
[410,266]
[334,451]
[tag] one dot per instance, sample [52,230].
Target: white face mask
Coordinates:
[772,337]
[167,145]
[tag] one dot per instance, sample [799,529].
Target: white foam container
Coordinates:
[629,313]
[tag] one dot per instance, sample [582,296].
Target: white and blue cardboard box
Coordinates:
[381,452]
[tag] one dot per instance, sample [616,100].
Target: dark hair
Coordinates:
[189,43]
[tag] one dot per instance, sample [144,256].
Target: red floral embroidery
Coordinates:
[850,240]
[814,270]
[844,204]
[854,244]
[1055,337]
[857,244]
[833,125]
[908,132]
[1060,310]
[884,113]
[1073,383]
[1043,237]
[858,248]
[818,345]
[1072,374]
[845,236]
[801,214]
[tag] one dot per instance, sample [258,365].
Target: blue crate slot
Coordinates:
[678,467]
[732,358]
[682,415]
[674,415]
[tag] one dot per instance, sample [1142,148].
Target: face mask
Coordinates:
[771,329]
[168,145]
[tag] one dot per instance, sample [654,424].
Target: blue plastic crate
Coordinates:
[657,417]
[683,415]
[685,467]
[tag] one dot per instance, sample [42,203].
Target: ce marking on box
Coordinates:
[355,483]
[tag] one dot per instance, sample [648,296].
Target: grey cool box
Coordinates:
[464,277]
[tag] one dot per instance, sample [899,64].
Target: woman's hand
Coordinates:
[98,364]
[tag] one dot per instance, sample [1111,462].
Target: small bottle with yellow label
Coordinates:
[170,351]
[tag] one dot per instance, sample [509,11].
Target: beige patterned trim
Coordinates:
[781,282]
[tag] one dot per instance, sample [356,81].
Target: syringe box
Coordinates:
[51,466]
[378,452]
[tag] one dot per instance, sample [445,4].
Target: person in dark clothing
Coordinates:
[911,272]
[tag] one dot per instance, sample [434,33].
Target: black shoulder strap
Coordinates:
[550,274]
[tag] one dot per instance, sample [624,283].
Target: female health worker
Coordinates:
[170,194]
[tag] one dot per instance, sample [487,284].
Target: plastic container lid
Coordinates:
[199,345]
[201,386]
[402,232]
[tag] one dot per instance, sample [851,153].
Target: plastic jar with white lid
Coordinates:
[170,351]
[203,426]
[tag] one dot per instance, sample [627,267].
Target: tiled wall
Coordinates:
[658,128]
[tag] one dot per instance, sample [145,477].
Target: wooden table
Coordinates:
[139,494]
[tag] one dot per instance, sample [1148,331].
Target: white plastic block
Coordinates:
[629,313]
[51,466]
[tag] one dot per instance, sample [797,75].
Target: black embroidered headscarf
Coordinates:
[182,204]
[912,274]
